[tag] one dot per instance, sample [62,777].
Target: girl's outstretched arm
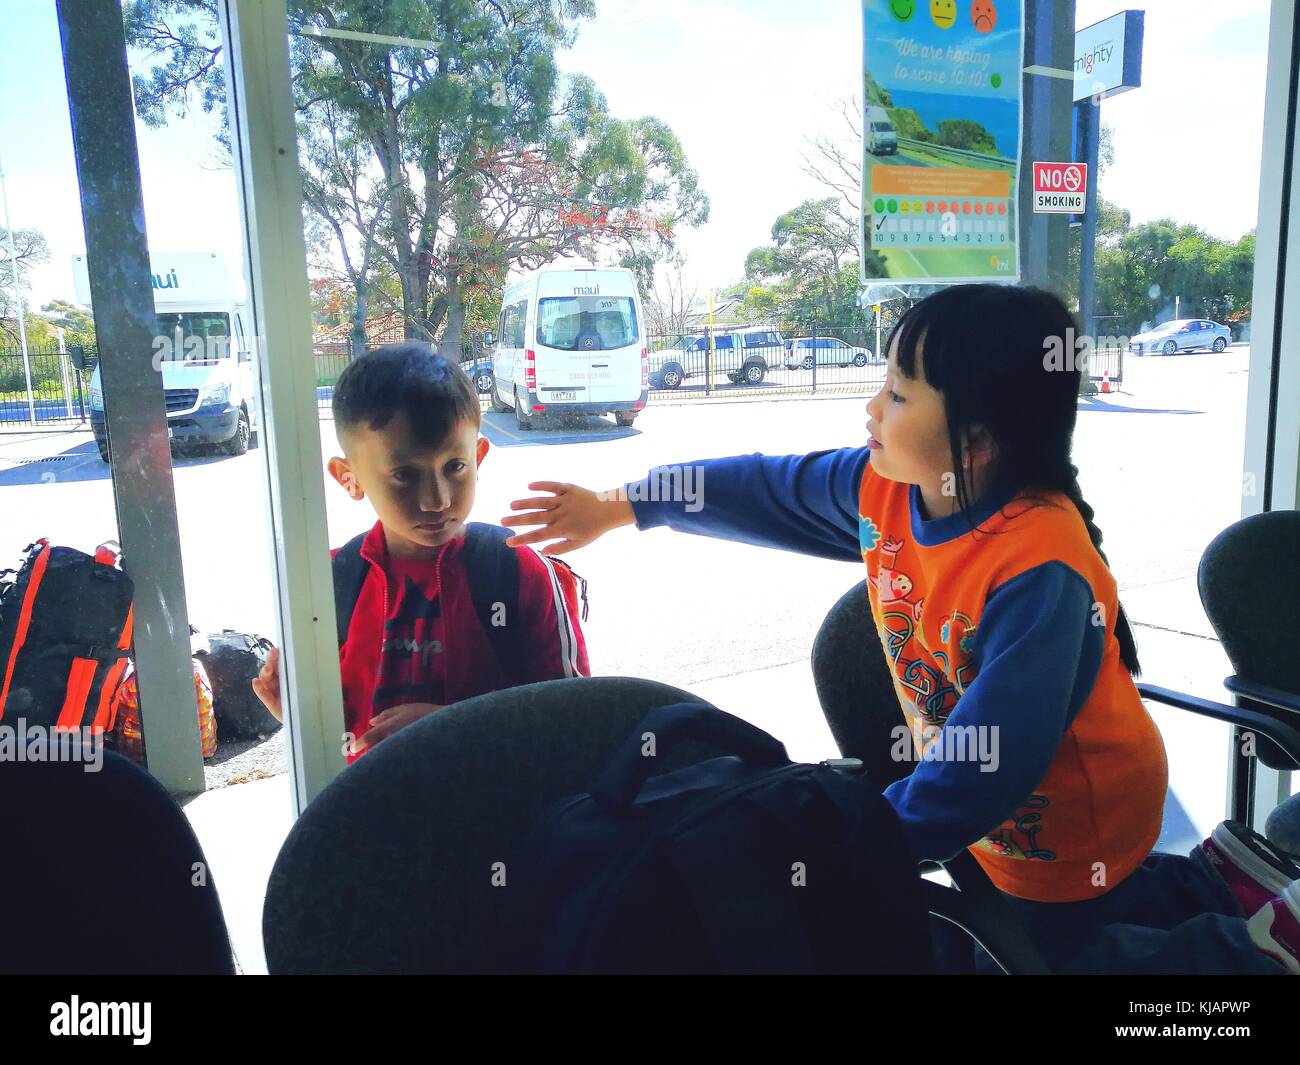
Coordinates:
[803,503]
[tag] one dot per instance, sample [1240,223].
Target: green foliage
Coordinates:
[449,163]
[809,273]
[77,322]
[967,135]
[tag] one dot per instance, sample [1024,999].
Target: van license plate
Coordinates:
[563,395]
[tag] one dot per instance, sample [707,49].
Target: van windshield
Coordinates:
[192,337]
[587,323]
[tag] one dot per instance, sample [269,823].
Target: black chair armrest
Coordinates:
[1259,693]
[1284,735]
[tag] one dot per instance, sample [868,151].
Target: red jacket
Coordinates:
[416,636]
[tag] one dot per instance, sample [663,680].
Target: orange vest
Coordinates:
[1097,813]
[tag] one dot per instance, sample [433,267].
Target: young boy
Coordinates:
[421,634]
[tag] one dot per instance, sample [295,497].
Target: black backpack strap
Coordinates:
[493,571]
[349,576]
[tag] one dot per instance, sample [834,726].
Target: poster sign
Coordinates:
[1060,188]
[1108,56]
[941,139]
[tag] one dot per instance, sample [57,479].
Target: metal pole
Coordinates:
[1087,118]
[18,295]
[67,379]
[117,258]
[1044,239]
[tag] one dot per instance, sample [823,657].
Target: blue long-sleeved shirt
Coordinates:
[1023,648]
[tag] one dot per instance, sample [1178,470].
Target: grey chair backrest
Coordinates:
[100,876]
[1249,582]
[390,869]
[856,687]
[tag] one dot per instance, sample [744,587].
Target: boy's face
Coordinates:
[422,495]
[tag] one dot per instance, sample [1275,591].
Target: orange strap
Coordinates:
[80,677]
[24,618]
[105,713]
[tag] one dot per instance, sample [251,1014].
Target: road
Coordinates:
[1160,463]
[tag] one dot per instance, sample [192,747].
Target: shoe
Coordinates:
[1275,929]
[1283,828]
[1254,870]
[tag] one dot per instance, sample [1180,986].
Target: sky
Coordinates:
[745,84]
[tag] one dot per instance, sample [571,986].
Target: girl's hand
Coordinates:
[266,685]
[573,515]
[386,722]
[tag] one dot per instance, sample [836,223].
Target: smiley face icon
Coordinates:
[983,16]
[903,10]
[944,13]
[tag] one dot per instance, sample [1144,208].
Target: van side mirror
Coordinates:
[77,354]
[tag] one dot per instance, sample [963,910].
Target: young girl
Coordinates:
[1000,619]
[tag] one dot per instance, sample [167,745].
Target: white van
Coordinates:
[571,338]
[204,346]
[882,137]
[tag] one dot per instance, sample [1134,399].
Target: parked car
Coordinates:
[743,355]
[830,351]
[1185,334]
[480,372]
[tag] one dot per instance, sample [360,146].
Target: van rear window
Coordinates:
[587,323]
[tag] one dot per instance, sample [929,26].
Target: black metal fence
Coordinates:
[751,360]
[330,360]
[771,360]
[59,392]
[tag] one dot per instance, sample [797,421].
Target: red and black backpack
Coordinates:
[65,630]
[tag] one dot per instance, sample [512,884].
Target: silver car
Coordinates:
[830,351]
[1184,334]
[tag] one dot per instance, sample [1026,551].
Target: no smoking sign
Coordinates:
[1060,188]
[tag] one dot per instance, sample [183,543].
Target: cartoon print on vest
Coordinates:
[929,690]
[894,586]
[868,534]
[957,627]
[1020,840]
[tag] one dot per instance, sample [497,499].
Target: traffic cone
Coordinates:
[1105,380]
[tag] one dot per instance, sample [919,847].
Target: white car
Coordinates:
[829,351]
[1181,335]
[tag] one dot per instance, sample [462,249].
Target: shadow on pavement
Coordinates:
[81,462]
[502,430]
[1098,405]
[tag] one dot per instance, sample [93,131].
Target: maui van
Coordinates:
[202,344]
[571,338]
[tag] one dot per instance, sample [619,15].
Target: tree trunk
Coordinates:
[451,337]
[358,335]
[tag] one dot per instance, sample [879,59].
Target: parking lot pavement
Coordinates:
[1160,462]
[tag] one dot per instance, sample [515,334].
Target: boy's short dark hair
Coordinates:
[433,392]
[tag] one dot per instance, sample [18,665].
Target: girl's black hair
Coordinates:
[1005,358]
